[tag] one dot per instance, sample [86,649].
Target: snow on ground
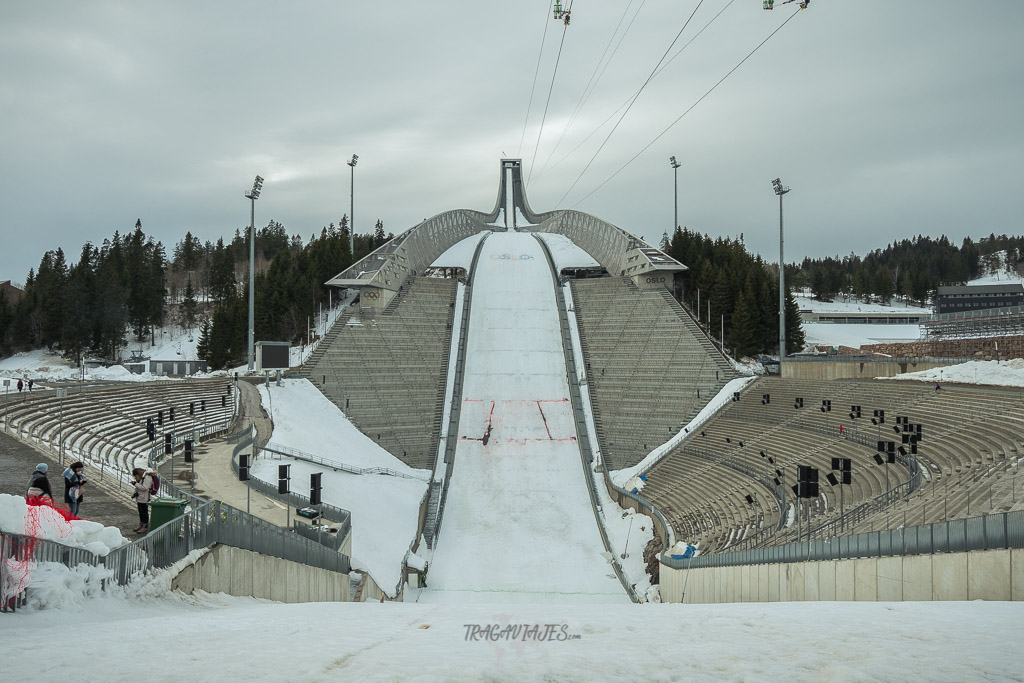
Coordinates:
[219,637]
[829,334]
[460,254]
[566,253]
[385,509]
[621,477]
[1003,373]
[43,366]
[46,523]
[518,523]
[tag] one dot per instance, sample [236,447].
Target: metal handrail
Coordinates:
[337,466]
[989,532]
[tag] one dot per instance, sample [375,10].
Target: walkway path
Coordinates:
[103,503]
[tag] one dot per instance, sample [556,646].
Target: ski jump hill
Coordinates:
[473,377]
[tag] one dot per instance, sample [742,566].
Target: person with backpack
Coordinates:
[73,482]
[39,487]
[146,486]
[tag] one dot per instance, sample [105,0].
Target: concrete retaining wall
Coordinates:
[243,573]
[978,575]
[840,369]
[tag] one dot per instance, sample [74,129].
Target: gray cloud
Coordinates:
[888,119]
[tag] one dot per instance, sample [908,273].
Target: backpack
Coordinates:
[155,486]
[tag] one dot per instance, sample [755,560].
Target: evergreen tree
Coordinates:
[794,330]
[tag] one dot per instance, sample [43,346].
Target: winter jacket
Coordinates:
[142,488]
[39,485]
[72,481]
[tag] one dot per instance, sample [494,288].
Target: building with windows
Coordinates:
[978,297]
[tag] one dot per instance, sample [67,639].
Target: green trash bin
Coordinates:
[163,510]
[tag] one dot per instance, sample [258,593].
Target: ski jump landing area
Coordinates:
[519,525]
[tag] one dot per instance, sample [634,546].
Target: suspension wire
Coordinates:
[533,88]
[626,101]
[688,110]
[635,97]
[540,131]
[587,90]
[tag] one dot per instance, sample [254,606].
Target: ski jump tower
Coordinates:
[381,274]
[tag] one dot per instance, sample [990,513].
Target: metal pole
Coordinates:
[782,288]
[675,218]
[252,282]
[352,213]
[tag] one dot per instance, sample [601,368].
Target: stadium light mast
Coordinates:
[352,208]
[675,172]
[781,190]
[252,196]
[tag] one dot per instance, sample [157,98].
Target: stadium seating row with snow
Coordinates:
[105,424]
[649,368]
[387,371]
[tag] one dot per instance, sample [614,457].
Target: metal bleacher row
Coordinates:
[105,424]
[972,439]
[387,372]
[648,366]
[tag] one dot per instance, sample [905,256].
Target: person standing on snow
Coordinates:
[143,484]
[39,486]
[73,481]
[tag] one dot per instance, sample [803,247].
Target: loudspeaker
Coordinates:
[243,467]
[315,488]
[283,478]
[188,450]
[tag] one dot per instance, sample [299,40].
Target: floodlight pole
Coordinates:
[252,196]
[675,172]
[781,190]
[352,208]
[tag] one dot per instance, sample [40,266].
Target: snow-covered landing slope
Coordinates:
[518,524]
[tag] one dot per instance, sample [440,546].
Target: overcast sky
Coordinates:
[887,119]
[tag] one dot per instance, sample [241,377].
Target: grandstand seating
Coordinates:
[105,424]
[972,439]
[387,372]
[650,369]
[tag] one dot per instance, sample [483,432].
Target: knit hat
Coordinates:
[42,467]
